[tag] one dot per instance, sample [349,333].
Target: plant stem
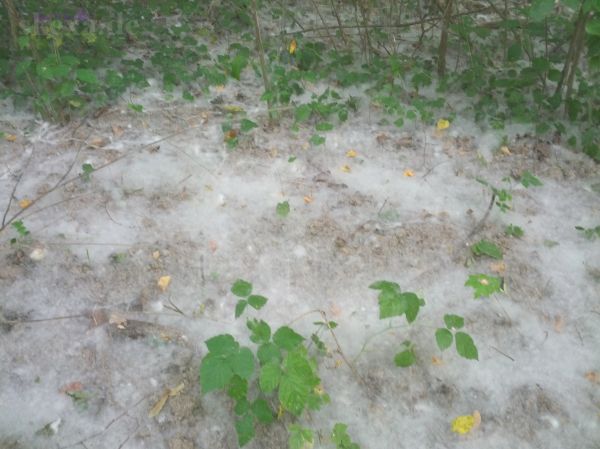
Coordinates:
[261,54]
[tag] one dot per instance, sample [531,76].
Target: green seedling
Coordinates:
[444,336]
[243,289]
[484,285]
[514,231]
[486,248]
[528,180]
[589,233]
[88,169]
[283,209]
[341,439]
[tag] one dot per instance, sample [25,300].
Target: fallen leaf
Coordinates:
[436,361]
[559,323]
[409,173]
[292,47]
[230,135]
[25,203]
[338,363]
[505,150]
[442,124]
[98,142]
[463,424]
[212,245]
[351,153]
[164,282]
[157,408]
[71,387]
[232,108]
[118,319]
[346,169]
[308,199]
[273,153]
[476,419]
[178,389]
[382,139]
[593,376]
[220,88]
[117,130]
[10,137]
[37,254]
[156,255]
[498,267]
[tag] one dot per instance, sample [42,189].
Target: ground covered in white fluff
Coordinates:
[89,342]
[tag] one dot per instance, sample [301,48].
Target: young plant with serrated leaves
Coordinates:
[484,285]
[22,231]
[486,248]
[445,336]
[341,439]
[281,371]
[589,233]
[393,302]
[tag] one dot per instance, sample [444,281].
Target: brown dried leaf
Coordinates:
[498,267]
[117,130]
[154,411]
[559,323]
[163,283]
[593,377]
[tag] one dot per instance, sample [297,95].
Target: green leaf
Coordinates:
[136,107]
[484,285]
[283,209]
[240,307]
[86,76]
[300,438]
[514,231]
[454,321]
[391,304]
[242,363]
[444,338]
[527,179]
[242,406]
[241,288]
[487,248]
[269,377]
[465,346]
[223,344]
[186,95]
[317,140]
[303,112]
[261,331]
[286,338]
[324,126]
[260,408]
[238,63]
[238,388]
[540,9]
[341,439]
[593,27]
[407,357]
[413,303]
[215,373]
[267,352]
[385,285]
[246,125]
[257,301]
[514,52]
[245,429]
[293,394]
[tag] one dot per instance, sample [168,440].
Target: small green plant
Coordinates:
[528,180]
[589,233]
[484,285]
[444,337]
[88,169]
[486,248]
[283,209]
[341,439]
[22,231]
[281,371]
[514,231]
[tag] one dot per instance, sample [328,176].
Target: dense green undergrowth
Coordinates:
[516,62]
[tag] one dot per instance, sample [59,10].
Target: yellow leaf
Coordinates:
[154,411]
[505,150]
[220,88]
[292,47]
[409,173]
[351,153]
[463,424]
[319,390]
[280,411]
[175,391]
[593,376]
[25,203]
[10,137]
[233,108]
[442,124]
[346,169]
[164,282]
[308,199]
[436,361]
